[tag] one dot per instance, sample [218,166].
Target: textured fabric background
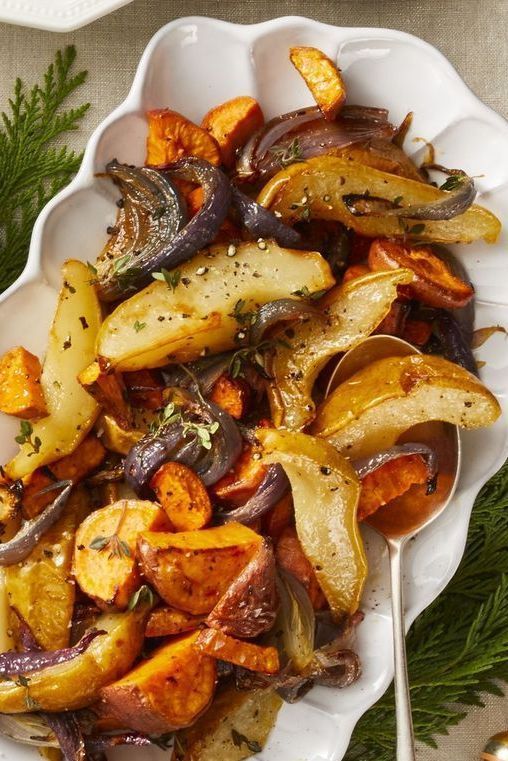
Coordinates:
[472,34]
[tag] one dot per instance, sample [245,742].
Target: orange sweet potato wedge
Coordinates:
[75,467]
[236,487]
[322,78]
[389,481]
[279,518]
[20,385]
[253,657]
[232,124]
[191,570]
[232,394]
[290,556]
[108,389]
[354,271]
[183,496]
[104,563]
[166,622]
[172,136]
[166,692]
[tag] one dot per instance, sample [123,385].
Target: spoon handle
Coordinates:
[405,735]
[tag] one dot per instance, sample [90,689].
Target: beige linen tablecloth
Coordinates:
[472,34]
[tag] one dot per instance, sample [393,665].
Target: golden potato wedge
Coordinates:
[168,691]
[368,412]
[71,348]
[351,312]
[191,570]
[322,78]
[77,683]
[40,588]
[322,183]
[197,315]
[326,491]
[234,718]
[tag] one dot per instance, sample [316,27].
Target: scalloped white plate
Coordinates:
[193,64]
[56,15]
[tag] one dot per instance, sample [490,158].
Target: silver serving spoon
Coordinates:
[404,517]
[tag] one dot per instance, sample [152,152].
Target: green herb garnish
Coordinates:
[204,431]
[170,277]
[143,596]
[239,740]
[452,182]
[417,229]
[169,414]
[118,548]
[304,293]
[289,154]
[138,326]
[26,436]
[242,317]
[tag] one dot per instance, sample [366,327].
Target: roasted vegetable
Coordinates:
[10,510]
[108,389]
[232,124]
[383,154]
[325,182]
[166,692]
[350,313]
[279,518]
[71,348]
[236,726]
[165,622]
[291,557]
[145,389]
[322,78]
[208,324]
[191,570]
[115,438]
[253,657]
[74,467]
[40,588]
[433,284]
[390,481]
[103,563]
[172,136]
[325,494]
[296,622]
[368,412]
[183,496]
[232,394]
[20,385]
[273,487]
[246,476]
[77,683]
[249,605]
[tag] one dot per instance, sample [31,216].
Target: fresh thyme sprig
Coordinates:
[287,154]
[32,169]
[26,436]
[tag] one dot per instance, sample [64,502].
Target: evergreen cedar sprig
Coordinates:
[458,647]
[32,169]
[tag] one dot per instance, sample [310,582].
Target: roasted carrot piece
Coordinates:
[165,622]
[253,657]
[108,389]
[232,124]
[183,496]
[166,692]
[417,332]
[247,473]
[172,136]
[145,389]
[104,565]
[232,394]
[354,271]
[279,517]
[322,78]
[75,467]
[389,481]
[290,556]
[20,385]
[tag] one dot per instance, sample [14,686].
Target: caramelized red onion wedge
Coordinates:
[459,197]
[369,464]
[262,223]
[69,735]
[455,346]
[13,663]
[22,544]
[272,488]
[280,310]
[101,743]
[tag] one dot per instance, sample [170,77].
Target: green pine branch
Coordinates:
[458,647]
[32,169]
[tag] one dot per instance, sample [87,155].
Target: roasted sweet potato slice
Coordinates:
[166,692]
[290,556]
[252,657]
[108,389]
[166,622]
[354,271]
[232,394]
[322,78]
[434,283]
[236,487]
[417,332]
[232,124]
[279,517]
[183,496]
[390,481]
[191,570]
[249,606]
[172,136]
[75,467]
[145,389]
[104,565]
[393,323]
[20,385]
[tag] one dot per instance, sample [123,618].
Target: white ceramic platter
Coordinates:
[193,64]
[56,15]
